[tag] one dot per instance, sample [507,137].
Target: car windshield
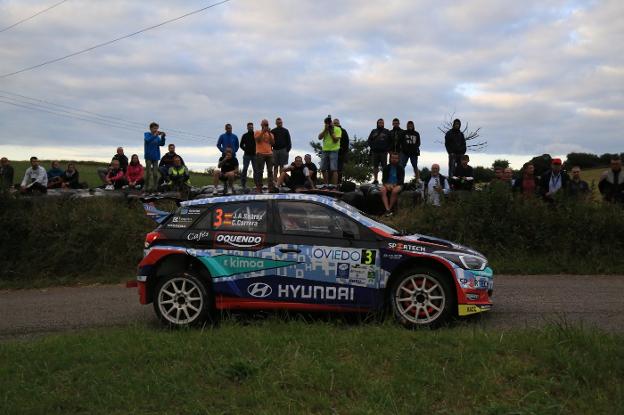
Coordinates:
[357,214]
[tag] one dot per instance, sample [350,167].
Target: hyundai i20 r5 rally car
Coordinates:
[302,252]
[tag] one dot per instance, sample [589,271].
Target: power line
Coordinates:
[6,75]
[32,17]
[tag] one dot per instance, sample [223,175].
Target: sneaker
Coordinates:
[109,187]
[138,187]
[388,213]
[125,186]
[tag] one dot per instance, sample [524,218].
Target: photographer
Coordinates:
[331,136]
[264,155]
[154,139]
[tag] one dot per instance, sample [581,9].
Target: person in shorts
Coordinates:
[226,173]
[299,177]
[281,147]
[331,146]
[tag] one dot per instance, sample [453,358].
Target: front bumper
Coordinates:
[476,288]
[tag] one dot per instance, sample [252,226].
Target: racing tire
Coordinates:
[422,297]
[182,300]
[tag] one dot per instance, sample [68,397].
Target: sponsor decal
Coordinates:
[361,275]
[224,265]
[366,256]
[197,236]
[393,256]
[177,226]
[190,211]
[400,246]
[467,309]
[240,218]
[342,270]
[182,219]
[259,290]
[472,297]
[238,240]
[314,292]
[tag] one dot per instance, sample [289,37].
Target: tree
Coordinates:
[358,167]
[500,163]
[472,144]
[483,174]
[583,160]
[541,163]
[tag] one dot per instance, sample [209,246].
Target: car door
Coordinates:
[337,258]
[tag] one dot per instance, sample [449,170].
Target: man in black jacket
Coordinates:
[463,178]
[553,180]
[577,188]
[281,148]
[392,178]
[248,145]
[611,183]
[343,153]
[410,147]
[167,161]
[379,143]
[397,136]
[455,144]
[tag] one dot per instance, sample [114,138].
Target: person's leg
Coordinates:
[325,166]
[281,179]
[333,166]
[147,174]
[375,162]
[403,159]
[230,179]
[215,177]
[414,161]
[269,163]
[384,197]
[38,187]
[259,163]
[451,165]
[244,171]
[394,197]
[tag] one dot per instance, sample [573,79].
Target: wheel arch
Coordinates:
[176,263]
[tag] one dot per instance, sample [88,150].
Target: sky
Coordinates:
[536,76]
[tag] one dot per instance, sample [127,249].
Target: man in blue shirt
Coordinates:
[392,180]
[228,140]
[154,139]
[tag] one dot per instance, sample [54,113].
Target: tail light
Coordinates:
[151,237]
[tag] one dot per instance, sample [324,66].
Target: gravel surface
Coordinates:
[519,301]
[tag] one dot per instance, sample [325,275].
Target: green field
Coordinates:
[277,366]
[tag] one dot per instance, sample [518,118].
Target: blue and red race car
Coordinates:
[302,252]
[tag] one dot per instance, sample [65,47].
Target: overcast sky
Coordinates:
[536,76]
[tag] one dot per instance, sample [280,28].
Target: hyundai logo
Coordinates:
[259,290]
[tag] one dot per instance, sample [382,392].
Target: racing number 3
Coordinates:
[368,256]
[218,218]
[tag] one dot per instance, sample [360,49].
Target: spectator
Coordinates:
[436,186]
[577,188]
[498,173]
[264,155]
[123,164]
[281,147]
[410,147]
[54,176]
[227,140]
[463,178]
[397,136]
[508,177]
[178,176]
[528,184]
[248,145]
[71,178]
[455,144]
[35,178]
[553,180]
[343,153]
[226,172]
[331,146]
[167,161]
[134,174]
[6,174]
[379,143]
[611,183]
[311,168]
[115,179]
[392,179]
[154,139]
[299,178]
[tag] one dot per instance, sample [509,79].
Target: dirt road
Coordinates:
[519,301]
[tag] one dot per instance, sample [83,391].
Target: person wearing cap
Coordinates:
[553,180]
[330,136]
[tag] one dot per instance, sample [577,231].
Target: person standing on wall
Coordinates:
[331,146]
[455,144]
[379,143]
[281,148]
[153,139]
[248,145]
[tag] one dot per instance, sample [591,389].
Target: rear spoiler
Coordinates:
[157,215]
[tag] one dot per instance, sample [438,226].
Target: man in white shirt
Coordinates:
[35,178]
[436,186]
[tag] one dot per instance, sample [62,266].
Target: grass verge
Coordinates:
[295,367]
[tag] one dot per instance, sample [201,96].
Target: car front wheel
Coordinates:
[422,297]
[182,300]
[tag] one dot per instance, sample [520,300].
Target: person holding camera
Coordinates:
[154,139]
[331,136]
[264,155]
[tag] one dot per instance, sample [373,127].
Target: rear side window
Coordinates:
[184,217]
[298,218]
[240,217]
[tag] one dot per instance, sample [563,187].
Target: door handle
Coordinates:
[290,250]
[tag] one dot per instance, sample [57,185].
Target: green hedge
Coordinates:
[527,236]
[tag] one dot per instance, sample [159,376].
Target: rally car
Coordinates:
[302,252]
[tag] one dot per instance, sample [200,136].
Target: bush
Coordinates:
[527,236]
[60,239]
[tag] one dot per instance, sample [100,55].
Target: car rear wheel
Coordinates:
[421,298]
[182,300]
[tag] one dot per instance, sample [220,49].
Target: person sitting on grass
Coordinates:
[35,179]
[115,178]
[71,178]
[392,180]
[54,176]
[179,177]
[226,171]
[299,178]
[134,174]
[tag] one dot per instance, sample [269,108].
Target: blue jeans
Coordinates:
[329,161]
[413,160]
[247,160]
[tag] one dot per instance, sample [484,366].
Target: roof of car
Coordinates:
[271,196]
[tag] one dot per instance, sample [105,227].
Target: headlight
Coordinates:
[466,261]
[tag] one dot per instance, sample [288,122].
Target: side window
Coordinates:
[184,217]
[315,220]
[240,217]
